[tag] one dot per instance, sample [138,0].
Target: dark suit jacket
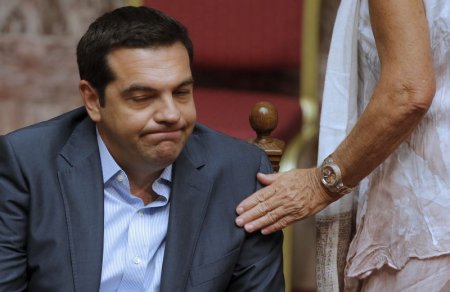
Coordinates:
[51,213]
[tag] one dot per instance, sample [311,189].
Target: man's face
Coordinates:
[149,110]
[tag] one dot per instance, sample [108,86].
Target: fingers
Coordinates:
[259,196]
[262,222]
[253,200]
[262,211]
[272,221]
[278,225]
[255,206]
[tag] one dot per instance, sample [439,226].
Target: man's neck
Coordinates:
[141,184]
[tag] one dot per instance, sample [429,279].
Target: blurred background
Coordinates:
[245,51]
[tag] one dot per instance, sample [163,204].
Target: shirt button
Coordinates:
[141,213]
[120,177]
[137,260]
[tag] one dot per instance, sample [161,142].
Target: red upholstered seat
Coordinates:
[234,42]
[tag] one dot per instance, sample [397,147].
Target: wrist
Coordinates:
[323,192]
[330,176]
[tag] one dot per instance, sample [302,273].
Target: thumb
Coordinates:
[267,179]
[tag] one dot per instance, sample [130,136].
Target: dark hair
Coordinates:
[125,27]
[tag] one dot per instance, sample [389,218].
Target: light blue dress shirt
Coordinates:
[134,233]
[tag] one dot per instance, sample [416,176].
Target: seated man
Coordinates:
[128,193]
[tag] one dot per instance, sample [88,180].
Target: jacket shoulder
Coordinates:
[222,151]
[44,140]
[220,143]
[60,127]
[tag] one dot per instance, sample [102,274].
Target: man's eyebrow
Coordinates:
[146,88]
[137,87]
[186,82]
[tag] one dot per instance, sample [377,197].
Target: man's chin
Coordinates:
[161,155]
[166,156]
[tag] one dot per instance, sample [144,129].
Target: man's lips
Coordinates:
[164,135]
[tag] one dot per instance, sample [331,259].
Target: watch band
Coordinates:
[331,177]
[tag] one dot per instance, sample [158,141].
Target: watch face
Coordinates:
[328,175]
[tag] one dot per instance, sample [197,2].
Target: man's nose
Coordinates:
[167,111]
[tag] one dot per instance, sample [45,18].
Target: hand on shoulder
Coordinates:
[289,197]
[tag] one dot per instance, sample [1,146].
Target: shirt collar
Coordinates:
[166,175]
[109,165]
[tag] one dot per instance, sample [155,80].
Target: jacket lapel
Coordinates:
[188,204]
[80,176]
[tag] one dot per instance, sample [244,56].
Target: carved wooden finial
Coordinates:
[264,119]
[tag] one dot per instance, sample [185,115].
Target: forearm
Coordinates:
[403,94]
[379,131]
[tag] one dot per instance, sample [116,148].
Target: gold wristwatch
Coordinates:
[331,177]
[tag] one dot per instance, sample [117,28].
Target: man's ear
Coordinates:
[90,99]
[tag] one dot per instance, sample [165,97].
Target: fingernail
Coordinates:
[239,222]
[249,227]
[239,210]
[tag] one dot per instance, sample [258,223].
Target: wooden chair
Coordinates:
[263,120]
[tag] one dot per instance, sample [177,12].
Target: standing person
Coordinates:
[128,193]
[384,128]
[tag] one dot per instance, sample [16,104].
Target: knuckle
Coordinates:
[272,217]
[273,192]
[265,194]
[300,213]
[260,197]
[277,226]
[263,207]
[283,223]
